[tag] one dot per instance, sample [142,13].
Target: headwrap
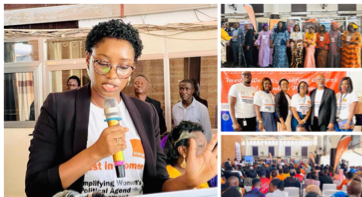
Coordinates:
[265,25]
[335,24]
[353,25]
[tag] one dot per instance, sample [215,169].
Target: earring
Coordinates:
[129,79]
[183,165]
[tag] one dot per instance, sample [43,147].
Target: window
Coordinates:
[304,151]
[59,78]
[19,97]
[271,150]
[65,49]
[22,51]
[258,8]
[255,151]
[288,151]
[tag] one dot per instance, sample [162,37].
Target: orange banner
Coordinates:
[229,78]
[273,23]
[342,146]
[250,10]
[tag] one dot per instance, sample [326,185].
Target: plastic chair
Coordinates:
[292,191]
[337,182]
[329,187]
[329,192]
[304,192]
[344,188]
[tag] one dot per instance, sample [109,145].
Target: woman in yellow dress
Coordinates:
[351,49]
[177,147]
[224,40]
[310,42]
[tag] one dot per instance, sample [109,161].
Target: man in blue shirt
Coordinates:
[255,192]
[352,170]
[235,42]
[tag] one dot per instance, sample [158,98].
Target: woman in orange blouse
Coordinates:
[309,41]
[351,49]
[346,181]
[322,47]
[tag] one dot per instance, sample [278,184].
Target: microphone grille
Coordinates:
[111,108]
[110,103]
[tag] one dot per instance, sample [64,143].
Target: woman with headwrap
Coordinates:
[280,40]
[322,47]
[351,50]
[296,47]
[309,42]
[263,44]
[334,55]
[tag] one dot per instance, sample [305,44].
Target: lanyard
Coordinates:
[340,102]
[271,98]
[304,99]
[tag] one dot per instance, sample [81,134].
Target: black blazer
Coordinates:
[249,38]
[61,132]
[161,119]
[281,105]
[327,109]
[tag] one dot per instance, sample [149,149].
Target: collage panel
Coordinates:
[291,165]
[291,35]
[289,101]
[111,100]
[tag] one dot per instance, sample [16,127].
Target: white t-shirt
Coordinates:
[244,107]
[344,107]
[317,102]
[102,176]
[266,101]
[289,103]
[302,105]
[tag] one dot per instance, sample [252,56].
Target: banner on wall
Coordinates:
[341,148]
[237,151]
[229,78]
[273,23]
[327,23]
[244,22]
[310,23]
[291,22]
[250,10]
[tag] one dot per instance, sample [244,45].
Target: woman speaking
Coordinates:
[72,146]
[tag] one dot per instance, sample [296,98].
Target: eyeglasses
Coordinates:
[246,74]
[103,68]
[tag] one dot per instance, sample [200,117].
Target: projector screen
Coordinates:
[249,159]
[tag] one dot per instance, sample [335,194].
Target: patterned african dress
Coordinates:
[309,51]
[280,58]
[297,50]
[334,56]
[322,49]
[351,54]
[224,40]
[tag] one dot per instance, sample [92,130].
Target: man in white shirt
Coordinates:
[190,109]
[324,107]
[241,98]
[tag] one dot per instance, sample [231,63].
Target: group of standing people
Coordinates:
[322,49]
[321,110]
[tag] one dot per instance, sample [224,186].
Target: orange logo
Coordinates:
[308,102]
[345,100]
[137,148]
[253,94]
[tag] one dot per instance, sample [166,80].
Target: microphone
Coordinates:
[111,111]
[71,193]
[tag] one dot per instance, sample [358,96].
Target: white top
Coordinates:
[317,102]
[195,112]
[102,176]
[301,104]
[244,107]
[277,193]
[266,101]
[289,103]
[344,106]
[297,36]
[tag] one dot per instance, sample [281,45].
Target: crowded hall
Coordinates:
[291,35]
[110,100]
[291,166]
[303,101]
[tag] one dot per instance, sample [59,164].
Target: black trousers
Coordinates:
[249,55]
[250,124]
[318,128]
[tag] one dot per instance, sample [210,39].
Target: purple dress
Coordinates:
[265,52]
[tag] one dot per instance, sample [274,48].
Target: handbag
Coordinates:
[283,42]
[343,122]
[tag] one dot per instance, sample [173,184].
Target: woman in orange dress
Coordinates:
[351,49]
[322,47]
[309,41]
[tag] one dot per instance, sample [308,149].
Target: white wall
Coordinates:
[281,153]
[16,156]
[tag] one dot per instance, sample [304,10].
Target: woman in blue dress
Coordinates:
[280,40]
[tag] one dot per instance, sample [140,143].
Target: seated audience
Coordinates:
[292,181]
[255,192]
[276,189]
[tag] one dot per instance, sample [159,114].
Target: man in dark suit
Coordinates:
[235,42]
[249,45]
[325,179]
[256,189]
[140,89]
[324,106]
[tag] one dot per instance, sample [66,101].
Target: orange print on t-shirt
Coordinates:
[137,148]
